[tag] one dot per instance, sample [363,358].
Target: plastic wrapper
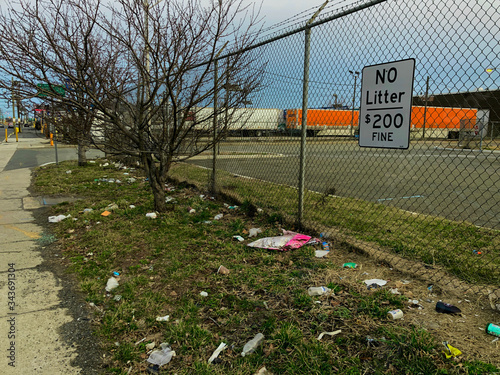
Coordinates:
[281,243]
[161,356]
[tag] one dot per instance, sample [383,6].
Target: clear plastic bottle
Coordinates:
[252,344]
[318,290]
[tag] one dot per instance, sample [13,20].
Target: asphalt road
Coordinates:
[429,178]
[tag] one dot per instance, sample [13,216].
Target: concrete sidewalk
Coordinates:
[31,315]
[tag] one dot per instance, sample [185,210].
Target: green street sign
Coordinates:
[44,90]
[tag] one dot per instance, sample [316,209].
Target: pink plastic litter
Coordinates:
[281,243]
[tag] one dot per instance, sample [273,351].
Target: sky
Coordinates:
[272,12]
[453,43]
[276,11]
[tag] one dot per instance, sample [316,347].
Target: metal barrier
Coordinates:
[432,208]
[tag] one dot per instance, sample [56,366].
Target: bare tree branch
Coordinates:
[138,74]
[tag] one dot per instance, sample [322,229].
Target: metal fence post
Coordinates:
[303,129]
[214,150]
[55,144]
[305,97]
[425,108]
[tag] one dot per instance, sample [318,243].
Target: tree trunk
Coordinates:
[159,196]
[82,153]
[157,183]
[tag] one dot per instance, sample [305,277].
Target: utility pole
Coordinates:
[13,105]
[19,114]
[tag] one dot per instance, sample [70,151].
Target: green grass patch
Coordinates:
[165,263]
[432,240]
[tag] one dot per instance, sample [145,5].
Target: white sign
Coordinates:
[385,112]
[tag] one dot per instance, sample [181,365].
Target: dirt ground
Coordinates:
[465,331]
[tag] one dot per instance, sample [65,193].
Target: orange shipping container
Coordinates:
[320,118]
[442,117]
[436,117]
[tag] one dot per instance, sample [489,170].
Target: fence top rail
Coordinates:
[341,14]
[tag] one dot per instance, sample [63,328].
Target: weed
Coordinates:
[249,208]
[342,313]
[46,239]
[125,353]
[302,301]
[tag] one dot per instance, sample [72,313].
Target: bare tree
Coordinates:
[141,78]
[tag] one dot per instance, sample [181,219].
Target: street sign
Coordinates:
[385,112]
[44,90]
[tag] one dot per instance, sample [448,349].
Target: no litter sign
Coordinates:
[385,112]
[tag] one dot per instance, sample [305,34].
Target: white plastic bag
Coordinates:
[58,218]
[161,356]
[254,232]
[111,284]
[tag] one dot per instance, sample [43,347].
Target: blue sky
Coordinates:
[272,12]
[452,42]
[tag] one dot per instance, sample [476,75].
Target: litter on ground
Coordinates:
[329,334]
[281,243]
[217,351]
[450,351]
[111,284]
[253,232]
[161,356]
[349,265]
[320,253]
[378,282]
[223,270]
[58,218]
[163,318]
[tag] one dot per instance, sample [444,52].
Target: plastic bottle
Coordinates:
[349,265]
[252,344]
[318,290]
[493,329]
[446,308]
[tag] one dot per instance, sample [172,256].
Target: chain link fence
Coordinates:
[432,209]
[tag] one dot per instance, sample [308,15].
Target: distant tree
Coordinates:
[135,71]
